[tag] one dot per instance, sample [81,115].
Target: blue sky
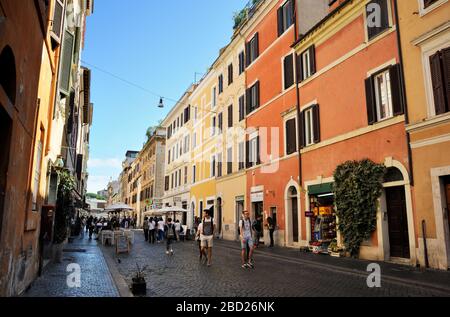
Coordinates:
[158,45]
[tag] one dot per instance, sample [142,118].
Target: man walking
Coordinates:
[151,230]
[207,235]
[145,227]
[245,226]
[160,230]
[171,235]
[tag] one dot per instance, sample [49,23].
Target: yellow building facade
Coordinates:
[425,41]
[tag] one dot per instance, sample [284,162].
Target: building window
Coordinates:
[213,126]
[310,126]
[37,173]
[252,48]
[253,98]
[213,166]
[288,67]
[168,158]
[241,155]
[220,84]
[241,108]
[230,116]
[230,74]
[241,62]
[291,136]
[440,78]
[384,95]
[306,64]
[377,18]
[219,164]
[179,177]
[220,125]
[194,140]
[214,97]
[230,160]
[252,151]
[186,143]
[285,16]
[194,174]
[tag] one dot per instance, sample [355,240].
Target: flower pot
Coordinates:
[139,287]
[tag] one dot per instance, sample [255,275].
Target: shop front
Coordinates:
[323,237]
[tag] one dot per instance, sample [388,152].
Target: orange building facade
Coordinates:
[352,107]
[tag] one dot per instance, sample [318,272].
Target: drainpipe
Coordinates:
[405,101]
[297,89]
[425,249]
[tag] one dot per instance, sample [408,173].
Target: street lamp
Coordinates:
[161,103]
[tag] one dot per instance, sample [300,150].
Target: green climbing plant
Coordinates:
[63,206]
[357,187]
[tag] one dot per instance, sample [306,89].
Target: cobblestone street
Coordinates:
[96,280]
[278,273]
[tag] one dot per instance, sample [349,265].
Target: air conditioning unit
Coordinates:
[57,21]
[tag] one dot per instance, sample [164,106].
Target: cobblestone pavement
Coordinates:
[96,280]
[278,273]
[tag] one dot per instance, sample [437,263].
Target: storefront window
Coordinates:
[323,222]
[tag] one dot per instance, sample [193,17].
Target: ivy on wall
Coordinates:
[64,206]
[357,187]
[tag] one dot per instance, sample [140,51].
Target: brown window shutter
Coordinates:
[370,101]
[257,45]
[299,68]
[248,100]
[247,54]
[446,70]
[438,83]
[280,21]
[257,94]
[396,90]
[302,130]
[316,124]
[230,116]
[258,150]
[291,136]
[288,71]
[247,154]
[312,59]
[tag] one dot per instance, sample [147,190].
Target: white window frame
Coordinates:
[423,11]
[309,123]
[253,148]
[306,64]
[388,91]
[214,91]
[230,148]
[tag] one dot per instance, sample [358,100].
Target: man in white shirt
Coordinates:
[160,230]
[151,231]
[245,232]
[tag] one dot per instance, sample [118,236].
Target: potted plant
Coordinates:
[139,285]
[335,250]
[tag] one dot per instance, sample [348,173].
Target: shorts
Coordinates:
[247,241]
[206,241]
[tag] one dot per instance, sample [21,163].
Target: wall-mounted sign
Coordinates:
[257,197]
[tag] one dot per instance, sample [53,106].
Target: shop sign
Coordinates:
[257,197]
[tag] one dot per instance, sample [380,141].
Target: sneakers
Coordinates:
[167,252]
[250,265]
[244,266]
[171,252]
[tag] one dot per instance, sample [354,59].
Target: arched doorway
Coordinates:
[8,73]
[8,85]
[397,215]
[293,211]
[219,216]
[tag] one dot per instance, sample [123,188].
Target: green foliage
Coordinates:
[239,17]
[95,196]
[357,187]
[64,206]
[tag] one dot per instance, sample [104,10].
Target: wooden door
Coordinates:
[397,222]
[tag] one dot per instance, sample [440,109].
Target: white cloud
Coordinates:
[109,162]
[97,182]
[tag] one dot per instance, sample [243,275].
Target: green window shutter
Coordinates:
[66,62]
